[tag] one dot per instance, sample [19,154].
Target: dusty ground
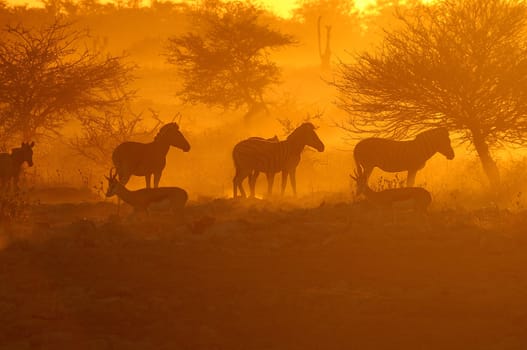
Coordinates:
[258,276]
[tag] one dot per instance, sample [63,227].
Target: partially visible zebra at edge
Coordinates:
[252,156]
[11,164]
[394,156]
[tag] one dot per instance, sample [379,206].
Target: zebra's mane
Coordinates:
[436,132]
[301,129]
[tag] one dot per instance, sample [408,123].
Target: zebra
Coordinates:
[253,176]
[11,164]
[395,156]
[254,156]
[145,159]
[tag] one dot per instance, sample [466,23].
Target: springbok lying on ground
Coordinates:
[142,199]
[11,164]
[416,199]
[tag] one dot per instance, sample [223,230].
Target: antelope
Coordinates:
[11,164]
[416,199]
[395,156]
[147,159]
[142,199]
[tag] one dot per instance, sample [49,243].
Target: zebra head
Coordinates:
[24,153]
[306,134]
[440,139]
[173,136]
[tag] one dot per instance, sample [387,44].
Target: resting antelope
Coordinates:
[253,156]
[11,164]
[142,199]
[147,159]
[395,156]
[415,198]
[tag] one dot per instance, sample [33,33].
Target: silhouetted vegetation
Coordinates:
[225,60]
[50,74]
[458,64]
[100,135]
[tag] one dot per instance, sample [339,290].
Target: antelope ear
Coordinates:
[32,144]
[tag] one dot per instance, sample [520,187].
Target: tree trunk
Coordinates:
[488,163]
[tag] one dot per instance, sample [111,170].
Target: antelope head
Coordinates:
[360,180]
[113,183]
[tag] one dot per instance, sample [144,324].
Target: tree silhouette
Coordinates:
[225,60]
[461,64]
[99,135]
[49,74]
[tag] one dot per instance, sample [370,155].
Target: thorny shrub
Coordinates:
[14,206]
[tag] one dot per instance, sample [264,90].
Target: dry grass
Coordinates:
[262,275]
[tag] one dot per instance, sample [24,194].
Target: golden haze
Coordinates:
[280,7]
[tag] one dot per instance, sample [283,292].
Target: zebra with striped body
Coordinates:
[272,157]
[395,156]
[254,174]
[11,164]
[145,159]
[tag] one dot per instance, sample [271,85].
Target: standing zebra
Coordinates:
[254,155]
[145,159]
[394,156]
[11,164]
[253,176]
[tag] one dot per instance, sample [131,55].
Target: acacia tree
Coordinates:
[461,64]
[225,60]
[50,74]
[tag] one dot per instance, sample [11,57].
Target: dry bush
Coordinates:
[14,206]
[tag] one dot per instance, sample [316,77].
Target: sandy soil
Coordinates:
[256,275]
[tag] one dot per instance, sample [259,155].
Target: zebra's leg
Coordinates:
[16,188]
[284,180]
[147,179]
[157,178]
[410,180]
[367,173]
[237,183]
[252,182]
[292,176]
[270,182]
[234,188]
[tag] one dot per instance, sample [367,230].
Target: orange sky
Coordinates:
[281,7]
